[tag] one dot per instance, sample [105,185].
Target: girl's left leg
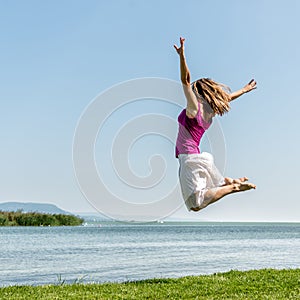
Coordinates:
[215,194]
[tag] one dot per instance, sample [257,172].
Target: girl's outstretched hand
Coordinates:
[180,50]
[250,86]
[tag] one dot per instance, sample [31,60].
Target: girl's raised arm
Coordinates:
[247,88]
[192,102]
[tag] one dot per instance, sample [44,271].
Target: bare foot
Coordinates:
[243,186]
[229,181]
[240,180]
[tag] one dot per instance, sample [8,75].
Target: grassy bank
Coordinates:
[257,284]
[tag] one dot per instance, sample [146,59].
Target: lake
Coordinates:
[117,252]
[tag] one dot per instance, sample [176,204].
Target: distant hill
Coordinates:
[93,217]
[32,207]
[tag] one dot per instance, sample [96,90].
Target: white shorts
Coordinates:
[197,174]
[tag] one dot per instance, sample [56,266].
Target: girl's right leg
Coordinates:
[215,194]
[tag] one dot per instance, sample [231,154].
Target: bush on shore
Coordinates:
[19,218]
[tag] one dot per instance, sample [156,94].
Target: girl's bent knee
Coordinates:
[195,208]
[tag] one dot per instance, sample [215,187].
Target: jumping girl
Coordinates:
[201,182]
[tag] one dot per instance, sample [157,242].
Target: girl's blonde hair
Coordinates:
[216,94]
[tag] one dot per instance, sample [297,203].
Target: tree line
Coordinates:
[19,218]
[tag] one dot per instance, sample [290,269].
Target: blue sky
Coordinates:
[56,56]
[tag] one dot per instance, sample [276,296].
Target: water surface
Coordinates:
[121,252]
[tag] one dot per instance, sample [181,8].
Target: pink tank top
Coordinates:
[190,133]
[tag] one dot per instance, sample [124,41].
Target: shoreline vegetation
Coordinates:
[255,284]
[20,218]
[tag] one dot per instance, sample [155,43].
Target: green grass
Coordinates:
[257,284]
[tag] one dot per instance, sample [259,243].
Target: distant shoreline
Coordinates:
[162,223]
